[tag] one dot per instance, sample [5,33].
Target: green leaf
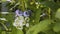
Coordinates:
[58,13]
[3,32]
[56,28]
[43,25]
[3,0]
[16,31]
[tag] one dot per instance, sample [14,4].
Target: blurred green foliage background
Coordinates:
[47,24]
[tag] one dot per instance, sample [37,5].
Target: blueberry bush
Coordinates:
[29,16]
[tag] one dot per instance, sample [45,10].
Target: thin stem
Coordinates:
[23,5]
[4,26]
[49,11]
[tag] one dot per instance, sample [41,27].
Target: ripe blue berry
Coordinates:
[26,14]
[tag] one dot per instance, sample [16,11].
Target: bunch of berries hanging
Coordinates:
[22,19]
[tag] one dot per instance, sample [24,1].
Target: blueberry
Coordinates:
[26,14]
[19,12]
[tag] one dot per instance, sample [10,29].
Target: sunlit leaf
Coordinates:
[43,25]
[58,13]
[56,28]
[3,0]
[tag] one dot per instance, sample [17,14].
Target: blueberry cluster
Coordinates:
[25,13]
[22,19]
